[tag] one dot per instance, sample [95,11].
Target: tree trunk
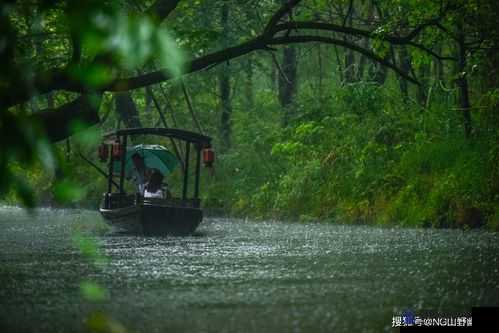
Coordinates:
[462,83]
[287,83]
[349,66]
[224,88]
[365,44]
[422,91]
[127,111]
[405,65]
[362,62]
[249,94]
[339,65]
[225,103]
[438,66]
[320,65]
[349,55]
[378,73]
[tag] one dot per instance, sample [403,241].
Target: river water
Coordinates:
[235,275]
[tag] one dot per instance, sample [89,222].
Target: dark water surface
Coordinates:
[237,276]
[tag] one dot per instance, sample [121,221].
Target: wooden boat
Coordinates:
[153,216]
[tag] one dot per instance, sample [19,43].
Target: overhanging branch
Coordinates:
[327,40]
[242,49]
[394,40]
[64,121]
[279,14]
[22,89]
[59,79]
[190,67]
[162,8]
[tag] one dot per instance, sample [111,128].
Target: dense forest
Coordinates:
[355,111]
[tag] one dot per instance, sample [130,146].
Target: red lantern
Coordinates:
[103,152]
[117,150]
[208,157]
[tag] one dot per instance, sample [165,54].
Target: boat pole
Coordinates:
[123,160]
[186,170]
[99,170]
[110,180]
[198,166]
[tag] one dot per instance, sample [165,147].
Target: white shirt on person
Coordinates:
[157,194]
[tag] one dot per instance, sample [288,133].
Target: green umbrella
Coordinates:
[155,156]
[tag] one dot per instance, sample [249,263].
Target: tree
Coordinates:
[21,89]
[224,84]
[287,83]
[87,62]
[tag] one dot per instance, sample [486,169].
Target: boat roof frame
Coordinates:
[174,133]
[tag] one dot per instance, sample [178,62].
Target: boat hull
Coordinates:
[151,219]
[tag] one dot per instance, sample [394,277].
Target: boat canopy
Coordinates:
[173,133]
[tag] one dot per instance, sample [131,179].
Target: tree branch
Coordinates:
[21,90]
[64,121]
[327,40]
[44,82]
[394,40]
[285,9]
[430,52]
[192,66]
[161,9]
[59,79]
[397,40]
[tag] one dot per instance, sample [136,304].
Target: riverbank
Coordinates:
[364,156]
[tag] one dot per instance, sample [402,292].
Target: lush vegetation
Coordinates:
[380,161]
[345,111]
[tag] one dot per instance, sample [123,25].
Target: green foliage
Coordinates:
[111,40]
[364,156]
[92,292]
[66,191]
[89,249]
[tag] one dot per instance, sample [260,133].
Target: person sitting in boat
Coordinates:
[140,172]
[153,188]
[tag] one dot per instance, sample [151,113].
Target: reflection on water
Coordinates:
[236,275]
